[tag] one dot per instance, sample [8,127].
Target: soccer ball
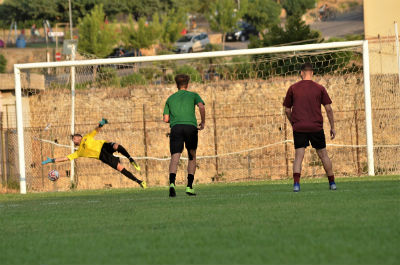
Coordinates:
[53,175]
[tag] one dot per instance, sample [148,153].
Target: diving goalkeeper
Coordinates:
[99,149]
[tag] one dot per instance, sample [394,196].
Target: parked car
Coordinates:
[242,32]
[191,43]
[121,52]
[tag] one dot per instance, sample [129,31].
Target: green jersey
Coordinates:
[180,107]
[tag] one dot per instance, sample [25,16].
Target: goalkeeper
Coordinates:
[99,149]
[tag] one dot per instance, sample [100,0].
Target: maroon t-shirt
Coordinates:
[305,99]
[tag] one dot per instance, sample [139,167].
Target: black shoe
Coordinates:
[172,192]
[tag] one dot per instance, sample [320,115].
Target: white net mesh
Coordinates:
[247,136]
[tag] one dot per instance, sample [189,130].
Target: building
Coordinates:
[379,29]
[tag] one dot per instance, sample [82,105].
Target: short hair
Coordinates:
[306,67]
[182,80]
[76,134]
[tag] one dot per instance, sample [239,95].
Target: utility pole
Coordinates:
[70,19]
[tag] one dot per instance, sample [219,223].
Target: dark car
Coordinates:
[121,52]
[242,32]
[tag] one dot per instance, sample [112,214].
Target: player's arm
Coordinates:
[288,112]
[55,160]
[329,113]
[166,118]
[166,112]
[288,104]
[101,124]
[202,110]
[61,159]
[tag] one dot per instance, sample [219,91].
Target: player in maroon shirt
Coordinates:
[303,109]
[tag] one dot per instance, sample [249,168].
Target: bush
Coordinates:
[107,76]
[133,79]
[150,73]
[241,69]
[3,64]
[212,47]
[195,76]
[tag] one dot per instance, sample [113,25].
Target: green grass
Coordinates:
[252,223]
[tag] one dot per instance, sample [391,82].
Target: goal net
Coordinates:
[247,136]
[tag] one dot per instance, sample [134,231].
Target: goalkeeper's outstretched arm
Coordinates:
[55,160]
[101,124]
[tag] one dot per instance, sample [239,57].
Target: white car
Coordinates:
[191,43]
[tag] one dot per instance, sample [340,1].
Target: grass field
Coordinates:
[242,223]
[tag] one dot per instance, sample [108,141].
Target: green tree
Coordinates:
[95,36]
[295,30]
[172,23]
[28,11]
[297,7]
[141,34]
[262,13]
[223,16]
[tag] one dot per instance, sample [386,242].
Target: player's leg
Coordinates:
[176,141]
[301,141]
[191,141]
[191,171]
[119,148]
[318,142]
[298,160]
[129,175]
[327,163]
[107,158]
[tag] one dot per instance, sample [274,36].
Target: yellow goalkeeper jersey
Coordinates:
[89,147]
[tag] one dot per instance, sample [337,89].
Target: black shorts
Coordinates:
[107,157]
[180,134]
[303,139]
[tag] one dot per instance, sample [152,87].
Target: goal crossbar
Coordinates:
[170,57]
[187,56]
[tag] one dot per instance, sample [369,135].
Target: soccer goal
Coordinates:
[247,136]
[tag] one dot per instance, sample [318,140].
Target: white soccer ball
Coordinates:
[53,175]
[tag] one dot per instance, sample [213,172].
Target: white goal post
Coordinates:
[174,57]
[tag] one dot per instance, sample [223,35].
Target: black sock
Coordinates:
[172,177]
[123,152]
[130,175]
[190,180]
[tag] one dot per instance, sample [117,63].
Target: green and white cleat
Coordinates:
[190,191]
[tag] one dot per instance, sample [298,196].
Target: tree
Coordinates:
[28,11]
[172,23]
[262,13]
[223,16]
[95,35]
[141,34]
[297,7]
[295,30]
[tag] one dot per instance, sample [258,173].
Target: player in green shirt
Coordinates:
[179,112]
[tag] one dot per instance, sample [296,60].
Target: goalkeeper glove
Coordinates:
[103,122]
[48,160]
